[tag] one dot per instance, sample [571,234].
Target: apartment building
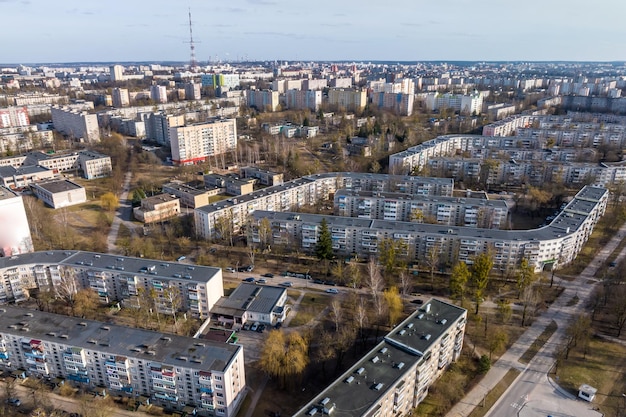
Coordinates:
[158,93]
[263,176]
[120,97]
[394,377]
[196,142]
[508,126]
[13,218]
[398,103]
[158,126]
[157,208]
[556,244]
[189,196]
[224,81]
[36,98]
[230,184]
[114,278]
[303,99]
[24,138]
[193,91]
[263,100]
[14,117]
[173,371]
[21,177]
[60,193]
[347,99]
[451,211]
[116,73]
[77,125]
[464,104]
[311,190]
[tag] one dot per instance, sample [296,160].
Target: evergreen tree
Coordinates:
[324,247]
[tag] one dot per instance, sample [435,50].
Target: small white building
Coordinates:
[58,194]
[587,392]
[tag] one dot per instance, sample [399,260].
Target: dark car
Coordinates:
[330,283]
[246,326]
[249,279]
[15,402]
[278,325]
[268,275]
[417,301]
[261,328]
[318,281]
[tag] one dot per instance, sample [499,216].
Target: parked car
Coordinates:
[333,283]
[250,268]
[231,270]
[268,275]
[249,279]
[417,301]
[261,328]
[613,264]
[332,291]
[15,402]
[181,258]
[246,326]
[261,281]
[287,284]
[255,326]
[318,281]
[278,325]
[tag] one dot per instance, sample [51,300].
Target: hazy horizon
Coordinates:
[267,30]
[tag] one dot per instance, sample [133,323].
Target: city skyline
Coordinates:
[282,30]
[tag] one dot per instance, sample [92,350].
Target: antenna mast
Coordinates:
[193,65]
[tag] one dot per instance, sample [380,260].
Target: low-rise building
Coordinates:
[263,176]
[157,208]
[21,177]
[59,194]
[232,185]
[251,303]
[188,195]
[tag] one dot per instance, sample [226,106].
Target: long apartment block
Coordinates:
[173,371]
[555,244]
[114,278]
[451,211]
[310,190]
[394,377]
[92,164]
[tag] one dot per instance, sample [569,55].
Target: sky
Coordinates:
[48,31]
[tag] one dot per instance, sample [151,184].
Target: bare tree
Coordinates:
[405,283]
[66,287]
[336,313]
[375,283]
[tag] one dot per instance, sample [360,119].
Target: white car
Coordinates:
[231,270]
[332,291]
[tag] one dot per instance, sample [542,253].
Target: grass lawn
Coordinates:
[538,343]
[310,307]
[604,367]
[495,393]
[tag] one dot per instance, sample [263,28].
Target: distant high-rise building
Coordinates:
[15,236]
[194,143]
[117,73]
[398,103]
[14,117]
[78,125]
[224,81]
[158,93]
[264,100]
[158,125]
[347,99]
[303,99]
[120,97]
[192,91]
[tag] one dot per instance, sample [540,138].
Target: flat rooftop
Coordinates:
[58,186]
[118,340]
[6,194]
[379,370]
[251,297]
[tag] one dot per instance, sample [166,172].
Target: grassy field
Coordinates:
[603,367]
[310,307]
[493,395]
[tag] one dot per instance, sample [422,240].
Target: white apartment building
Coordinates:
[158,126]
[116,73]
[353,100]
[303,99]
[192,91]
[120,97]
[14,117]
[21,139]
[114,278]
[263,100]
[309,190]
[75,124]
[195,143]
[451,211]
[158,93]
[173,371]
[13,218]
[464,104]
[394,377]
